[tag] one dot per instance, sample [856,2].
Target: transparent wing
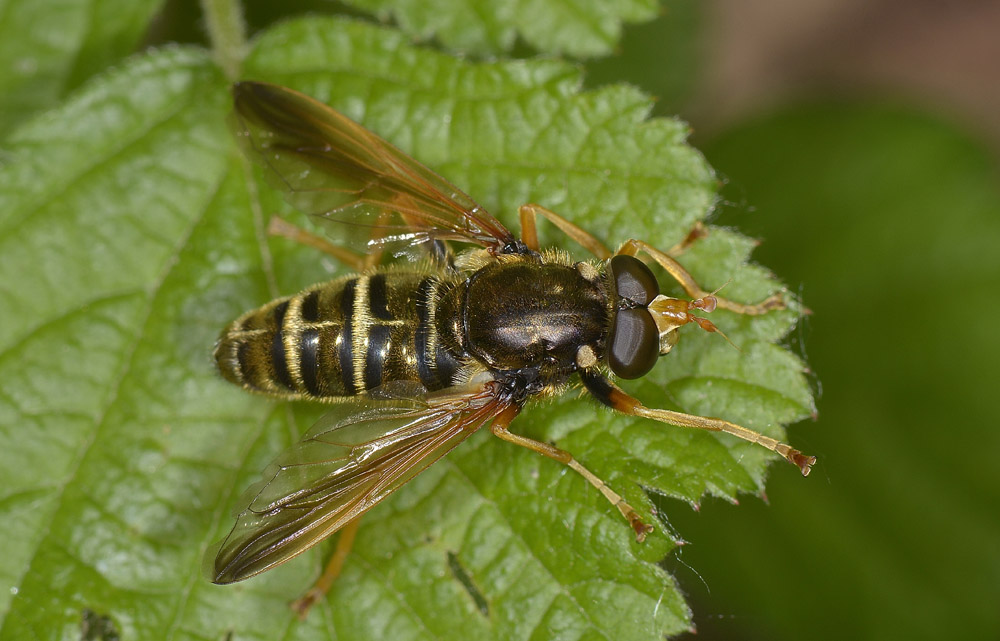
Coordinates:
[350,460]
[329,165]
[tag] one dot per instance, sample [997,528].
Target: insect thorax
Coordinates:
[524,313]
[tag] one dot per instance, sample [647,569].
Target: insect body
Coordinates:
[343,338]
[417,356]
[523,315]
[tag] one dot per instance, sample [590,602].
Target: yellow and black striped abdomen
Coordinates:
[341,338]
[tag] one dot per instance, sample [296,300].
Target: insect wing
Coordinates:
[329,165]
[350,460]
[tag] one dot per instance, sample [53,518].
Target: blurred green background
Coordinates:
[858,140]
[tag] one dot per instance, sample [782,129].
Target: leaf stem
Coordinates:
[227,33]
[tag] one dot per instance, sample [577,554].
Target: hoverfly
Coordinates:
[417,356]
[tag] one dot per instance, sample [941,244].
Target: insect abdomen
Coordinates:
[340,338]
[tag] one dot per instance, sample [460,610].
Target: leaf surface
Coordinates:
[49,47]
[580,28]
[132,233]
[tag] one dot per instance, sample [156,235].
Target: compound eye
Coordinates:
[635,343]
[633,280]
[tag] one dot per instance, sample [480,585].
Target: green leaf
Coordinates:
[580,28]
[132,233]
[49,47]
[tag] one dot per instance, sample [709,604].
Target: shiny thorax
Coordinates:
[524,312]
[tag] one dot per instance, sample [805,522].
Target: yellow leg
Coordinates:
[332,571]
[614,397]
[691,288]
[529,234]
[281,227]
[499,428]
[358,262]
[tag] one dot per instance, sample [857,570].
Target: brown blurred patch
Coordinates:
[944,54]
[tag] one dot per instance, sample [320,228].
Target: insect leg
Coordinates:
[336,563]
[529,234]
[611,395]
[499,428]
[280,227]
[683,277]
